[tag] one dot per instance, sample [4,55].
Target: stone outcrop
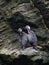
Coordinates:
[17,14]
[20,56]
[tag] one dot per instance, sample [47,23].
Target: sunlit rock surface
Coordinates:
[12,55]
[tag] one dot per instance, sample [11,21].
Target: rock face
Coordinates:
[43,5]
[17,14]
[19,56]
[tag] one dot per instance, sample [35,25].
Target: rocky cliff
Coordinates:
[18,13]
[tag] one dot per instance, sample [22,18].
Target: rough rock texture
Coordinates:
[44,10]
[28,56]
[19,14]
[15,14]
